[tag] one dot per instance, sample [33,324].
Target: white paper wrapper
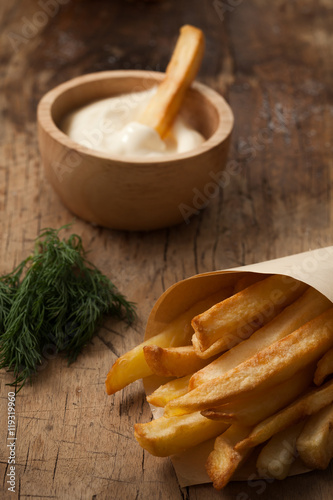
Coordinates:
[314,268]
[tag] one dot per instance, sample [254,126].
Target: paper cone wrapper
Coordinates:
[314,268]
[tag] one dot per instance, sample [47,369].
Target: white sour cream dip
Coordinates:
[110,126]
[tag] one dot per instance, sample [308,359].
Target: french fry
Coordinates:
[173,361]
[324,367]
[225,343]
[236,318]
[308,306]
[168,436]
[278,455]
[132,365]
[252,410]
[171,390]
[181,71]
[310,403]
[315,443]
[269,367]
[224,459]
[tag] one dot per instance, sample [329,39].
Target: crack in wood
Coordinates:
[19,489]
[63,420]
[184,492]
[109,345]
[55,465]
[111,330]
[27,457]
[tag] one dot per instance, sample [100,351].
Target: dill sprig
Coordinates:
[57,298]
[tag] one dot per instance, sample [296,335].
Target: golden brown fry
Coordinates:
[236,318]
[132,365]
[315,444]
[324,367]
[224,459]
[269,367]
[311,304]
[278,455]
[173,361]
[252,410]
[167,436]
[171,390]
[181,71]
[308,404]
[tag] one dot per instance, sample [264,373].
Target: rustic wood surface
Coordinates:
[273,63]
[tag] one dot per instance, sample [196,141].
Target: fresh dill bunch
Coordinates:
[60,301]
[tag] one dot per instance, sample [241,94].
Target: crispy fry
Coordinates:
[315,444]
[167,436]
[308,404]
[171,390]
[236,318]
[308,306]
[324,367]
[269,367]
[132,365]
[173,361]
[181,71]
[224,459]
[278,455]
[252,410]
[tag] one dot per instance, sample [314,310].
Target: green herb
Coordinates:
[54,297]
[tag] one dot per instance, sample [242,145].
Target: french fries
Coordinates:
[324,367]
[315,443]
[133,366]
[279,453]
[181,71]
[171,390]
[173,361]
[306,405]
[252,410]
[307,307]
[271,366]
[229,322]
[224,459]
[259,393]
[168,436]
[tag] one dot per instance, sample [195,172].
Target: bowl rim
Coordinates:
[45,118]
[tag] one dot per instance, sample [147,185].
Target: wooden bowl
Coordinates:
[122,193]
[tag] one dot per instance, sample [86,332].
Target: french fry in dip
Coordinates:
[181,71]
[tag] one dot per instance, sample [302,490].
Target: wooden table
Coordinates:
[273,63]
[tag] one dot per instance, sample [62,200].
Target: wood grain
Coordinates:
[273,63]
